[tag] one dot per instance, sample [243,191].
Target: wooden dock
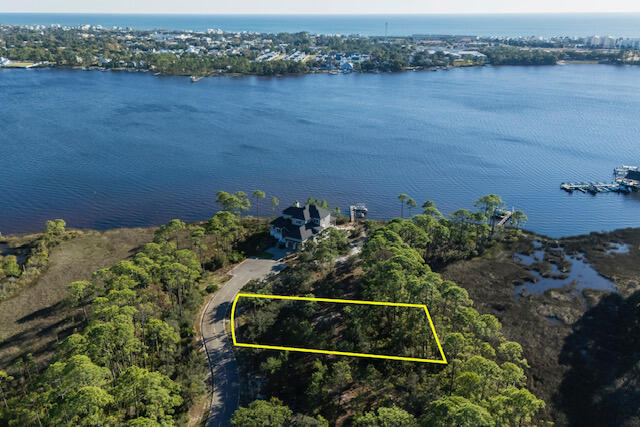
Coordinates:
[506,216]
[595,187]
[626,179]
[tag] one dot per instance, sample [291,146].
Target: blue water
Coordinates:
[576,24]
[108,149]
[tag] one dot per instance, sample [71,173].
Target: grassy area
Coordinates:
[36,318]
[19,64]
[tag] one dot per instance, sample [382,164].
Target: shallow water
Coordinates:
[618,248]
[584,276]
[21,257]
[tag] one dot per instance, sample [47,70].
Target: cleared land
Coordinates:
[36,317]
[19,64]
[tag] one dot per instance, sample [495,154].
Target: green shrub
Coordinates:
[341,219]
[10,266]
[235,257]
[212,288]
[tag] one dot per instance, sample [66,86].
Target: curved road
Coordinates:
[225,396]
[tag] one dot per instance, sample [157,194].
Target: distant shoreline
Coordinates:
[199,77]
[214,51]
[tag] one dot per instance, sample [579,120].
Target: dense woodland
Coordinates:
[519,56]
[484,382]
[135,361]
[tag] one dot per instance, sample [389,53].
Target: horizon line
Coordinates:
[327,14]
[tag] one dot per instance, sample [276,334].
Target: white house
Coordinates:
[299,224]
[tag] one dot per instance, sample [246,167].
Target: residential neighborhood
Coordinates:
[216,51]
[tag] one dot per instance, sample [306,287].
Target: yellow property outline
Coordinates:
[339,353]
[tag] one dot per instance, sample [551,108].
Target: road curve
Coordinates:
[217,344]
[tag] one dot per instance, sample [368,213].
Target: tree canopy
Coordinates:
[484,382]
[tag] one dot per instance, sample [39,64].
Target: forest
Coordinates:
[484,382]
[135,360]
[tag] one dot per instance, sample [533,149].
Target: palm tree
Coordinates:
[411,204]
[274,203]
[258,194]
[402,197]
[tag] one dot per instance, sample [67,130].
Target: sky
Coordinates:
[317,6]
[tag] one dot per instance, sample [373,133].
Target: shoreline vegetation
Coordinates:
[214,52]
[111,335]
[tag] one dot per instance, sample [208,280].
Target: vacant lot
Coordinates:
[36,317]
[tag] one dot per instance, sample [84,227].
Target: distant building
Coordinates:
[630,43]
[299,224]
[471,54]
[603,42]
[347,67]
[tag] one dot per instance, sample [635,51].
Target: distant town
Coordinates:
[214,52]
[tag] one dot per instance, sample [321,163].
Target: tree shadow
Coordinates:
[44,312]
[602,384]
[221,311]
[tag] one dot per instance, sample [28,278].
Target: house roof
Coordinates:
[306,212]
[317,212]
[280,222]
[300,232]
[294,212]
[295,232]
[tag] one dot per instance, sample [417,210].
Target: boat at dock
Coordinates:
[196,78]
[626,180]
